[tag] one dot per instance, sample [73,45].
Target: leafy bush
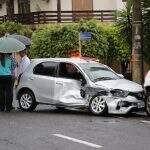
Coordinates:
[12,27]
[55,40]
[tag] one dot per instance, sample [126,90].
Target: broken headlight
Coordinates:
[119,93]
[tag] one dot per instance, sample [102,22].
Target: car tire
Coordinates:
[148,105]
[98,105]
[26,100]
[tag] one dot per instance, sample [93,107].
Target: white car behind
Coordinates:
[147,90]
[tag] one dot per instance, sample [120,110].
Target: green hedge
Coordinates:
[56,39]
[12,27]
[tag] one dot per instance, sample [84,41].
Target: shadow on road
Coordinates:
[86,113]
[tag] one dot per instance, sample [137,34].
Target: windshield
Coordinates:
[97,72]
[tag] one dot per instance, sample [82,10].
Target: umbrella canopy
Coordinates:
[25,40]
[10,45]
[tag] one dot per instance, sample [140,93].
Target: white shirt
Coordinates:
[147,80]
[23,64]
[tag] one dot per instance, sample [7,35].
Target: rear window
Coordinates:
[46,69]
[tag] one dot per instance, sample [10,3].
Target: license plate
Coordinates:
[141,104]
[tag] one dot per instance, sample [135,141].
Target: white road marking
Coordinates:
[145,121]
[78,141]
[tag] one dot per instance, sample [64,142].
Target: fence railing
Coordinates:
[43,17]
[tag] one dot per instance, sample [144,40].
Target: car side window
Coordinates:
[67,70]
[46,69]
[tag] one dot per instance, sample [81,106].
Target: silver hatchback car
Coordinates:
[78,83]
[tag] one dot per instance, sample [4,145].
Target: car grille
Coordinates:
[138,95]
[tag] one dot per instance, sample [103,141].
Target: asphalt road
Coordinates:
[51,129]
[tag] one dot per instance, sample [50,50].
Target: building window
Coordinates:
[0,6]
[23,6]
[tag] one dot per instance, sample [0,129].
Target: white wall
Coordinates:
[53,4]
[97,4]
[104,5]
[3,10]
[120,4]
[66,5]
[16,6]
[39,5]
[43,5]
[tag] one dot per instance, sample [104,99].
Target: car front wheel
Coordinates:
[27,101]
[97,105]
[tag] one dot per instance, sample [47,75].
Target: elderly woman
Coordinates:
[6,92]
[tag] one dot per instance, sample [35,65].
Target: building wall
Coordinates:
[120,4]
[97,4]
[16,6]
[3,10]
[66,5]
[104,5]
[40,5]
[43,5]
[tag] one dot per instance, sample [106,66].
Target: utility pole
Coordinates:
[137,52]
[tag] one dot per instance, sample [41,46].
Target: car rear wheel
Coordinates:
[148,105]
[27,101]
[97,105]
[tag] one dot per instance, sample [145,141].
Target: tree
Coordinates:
[146,29]
[124,25]
[137,49]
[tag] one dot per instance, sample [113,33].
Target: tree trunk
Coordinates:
[59,10]
[137,53]
[10,9]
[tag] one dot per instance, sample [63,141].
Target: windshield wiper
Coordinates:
[103,78]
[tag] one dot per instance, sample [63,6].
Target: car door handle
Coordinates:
[60,83]
[31,78]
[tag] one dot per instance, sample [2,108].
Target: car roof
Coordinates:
[71,60]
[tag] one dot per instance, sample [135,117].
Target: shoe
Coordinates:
[9,109]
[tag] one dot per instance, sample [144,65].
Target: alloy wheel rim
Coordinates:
[148,104]
[98,104]
[26,101]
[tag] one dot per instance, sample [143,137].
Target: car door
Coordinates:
[43,80]
[68,85]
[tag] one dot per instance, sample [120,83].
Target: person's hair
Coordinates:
[2,59]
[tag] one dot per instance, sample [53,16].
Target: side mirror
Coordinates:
[121,75]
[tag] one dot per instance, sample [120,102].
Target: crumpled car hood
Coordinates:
[121,84]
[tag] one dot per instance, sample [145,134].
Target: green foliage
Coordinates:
[118,47]
[12,27]
[124,22]
[146,29]
[98,46]
[56,40]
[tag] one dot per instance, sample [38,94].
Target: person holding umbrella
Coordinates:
[6,92]
[7,45]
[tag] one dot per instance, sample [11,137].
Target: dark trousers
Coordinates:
[6,92]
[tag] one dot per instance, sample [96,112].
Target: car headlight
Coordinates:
[119,93]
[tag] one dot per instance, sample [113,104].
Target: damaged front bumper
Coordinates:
[126,105]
